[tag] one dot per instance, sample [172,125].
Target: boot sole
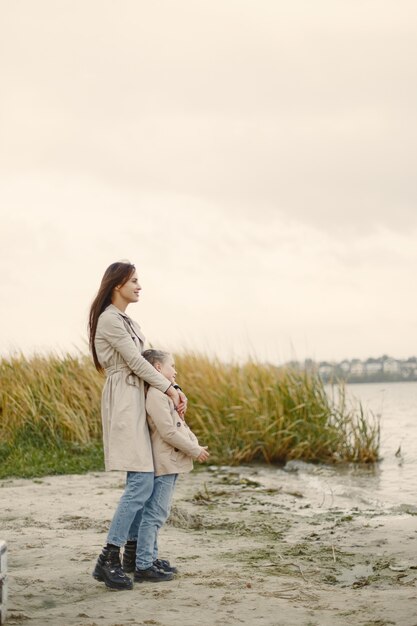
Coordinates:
[152,580]
[110,585]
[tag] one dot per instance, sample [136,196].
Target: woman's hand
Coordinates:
[204,454]
[174,395]
[182,406]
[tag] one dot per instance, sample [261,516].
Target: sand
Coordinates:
[250,550]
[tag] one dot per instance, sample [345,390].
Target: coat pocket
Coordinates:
[132,379]
[174,454]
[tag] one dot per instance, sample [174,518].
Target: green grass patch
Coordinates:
[24,460]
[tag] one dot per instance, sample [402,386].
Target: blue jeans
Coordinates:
[134,531]
[139,488]
[153,515]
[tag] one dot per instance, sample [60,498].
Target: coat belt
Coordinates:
[115,369]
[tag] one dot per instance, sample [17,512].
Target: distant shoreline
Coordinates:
[367,379]
[384,369]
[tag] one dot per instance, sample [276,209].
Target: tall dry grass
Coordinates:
[260,412]
[244,413]
[49,398]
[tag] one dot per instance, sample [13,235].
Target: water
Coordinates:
[396,403]
[390,484]
[394,480]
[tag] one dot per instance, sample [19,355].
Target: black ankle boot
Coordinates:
[129,556]
[153,574]
[108,569]
[165,566]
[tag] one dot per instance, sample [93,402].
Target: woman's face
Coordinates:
[130,290]
[167,368]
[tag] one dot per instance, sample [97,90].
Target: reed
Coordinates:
[258,412]
[244,413]
[53,398]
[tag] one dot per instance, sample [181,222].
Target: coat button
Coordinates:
[178,424]
[176,449]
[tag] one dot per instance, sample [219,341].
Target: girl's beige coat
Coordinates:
[174,445]
[119,342]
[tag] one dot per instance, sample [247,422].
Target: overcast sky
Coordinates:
[256,160]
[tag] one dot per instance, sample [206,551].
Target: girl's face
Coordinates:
[167,368]
[130,290]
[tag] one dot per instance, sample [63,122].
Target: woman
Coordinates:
[116,343]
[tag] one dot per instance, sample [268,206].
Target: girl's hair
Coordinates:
[155,356]
[116,274]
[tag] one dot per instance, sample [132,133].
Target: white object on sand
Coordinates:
[3,581]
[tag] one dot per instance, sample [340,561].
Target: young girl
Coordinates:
[116,343]
[174,446]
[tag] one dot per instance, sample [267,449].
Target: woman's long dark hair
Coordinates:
[116,274]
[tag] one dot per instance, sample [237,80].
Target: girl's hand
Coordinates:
[204,454]
[182,406]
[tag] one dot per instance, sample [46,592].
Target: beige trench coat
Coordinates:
[174,445]
[119,343]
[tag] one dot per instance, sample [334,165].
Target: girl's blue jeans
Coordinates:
[139,488]
[144,528]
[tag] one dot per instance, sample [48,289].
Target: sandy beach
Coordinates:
[250,551]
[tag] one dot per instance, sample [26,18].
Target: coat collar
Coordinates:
[136,326]
[111,307]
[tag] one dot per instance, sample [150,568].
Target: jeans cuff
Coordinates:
[144,566]
[115,542]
